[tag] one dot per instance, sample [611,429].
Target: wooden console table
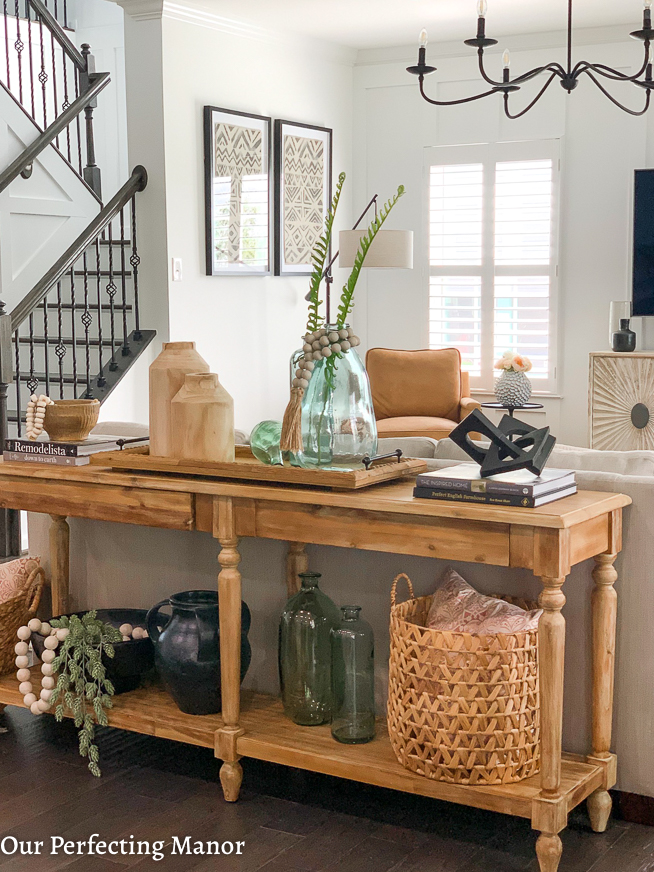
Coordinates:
[548,540]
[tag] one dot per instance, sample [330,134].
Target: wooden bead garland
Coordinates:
[35,415]
[321,345]
[52,639]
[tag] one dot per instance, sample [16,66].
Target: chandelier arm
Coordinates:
[606,93]
[525,77]
[533,102]
[609,73]
[452,102]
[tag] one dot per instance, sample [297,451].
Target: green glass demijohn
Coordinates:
[305,653]
[353,678]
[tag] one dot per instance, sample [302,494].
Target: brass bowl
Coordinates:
[71,420]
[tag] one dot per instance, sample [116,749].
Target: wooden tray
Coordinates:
[248,468]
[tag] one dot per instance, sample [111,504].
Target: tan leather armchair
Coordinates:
[418,393]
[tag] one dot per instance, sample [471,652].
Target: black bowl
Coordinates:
[132,659]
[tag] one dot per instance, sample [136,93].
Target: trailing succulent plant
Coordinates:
[292,427]
[82,685]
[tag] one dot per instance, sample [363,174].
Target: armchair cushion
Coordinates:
[412,425]
[424,384]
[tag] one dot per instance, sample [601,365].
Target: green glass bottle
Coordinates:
[353,679]
[305,653]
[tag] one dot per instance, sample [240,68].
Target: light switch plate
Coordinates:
[177,269]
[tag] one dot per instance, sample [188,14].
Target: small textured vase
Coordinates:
[338,420]
[71,420]
[512,389]
[187,649]
[353,679]
[202,420]
[305,653]
[167,375]
[623,339]
[264,442]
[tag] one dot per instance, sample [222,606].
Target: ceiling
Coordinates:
[380,23]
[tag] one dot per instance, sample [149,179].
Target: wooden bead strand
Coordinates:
[320,345]
[35,415]
[53,638]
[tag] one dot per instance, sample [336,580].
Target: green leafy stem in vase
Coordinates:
[82,685]
[347,294]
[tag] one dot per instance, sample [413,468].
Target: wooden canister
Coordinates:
[167,374]
[203,420]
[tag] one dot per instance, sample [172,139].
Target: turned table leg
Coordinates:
[605,607]
[229,602]
[551,642]
[60,564]
[297,561]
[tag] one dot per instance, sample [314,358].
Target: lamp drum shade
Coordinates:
[390,249]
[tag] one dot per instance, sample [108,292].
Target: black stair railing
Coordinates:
[53,81]
[78,331]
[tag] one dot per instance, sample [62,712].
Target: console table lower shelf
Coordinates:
[269,735]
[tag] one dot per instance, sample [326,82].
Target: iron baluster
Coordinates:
[77,125]
[46,347]
[135,260]
[54,76]
[111,292]
[7,45]
[123,281]
[98,263]
[28,15]
[87,320]
[73,330]
[17,377]
[19,45]
[60,348]
[32,381]
[43,78]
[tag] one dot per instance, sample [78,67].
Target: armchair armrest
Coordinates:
[467,405]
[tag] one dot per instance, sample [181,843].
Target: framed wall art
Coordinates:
[303,184]
[237,156]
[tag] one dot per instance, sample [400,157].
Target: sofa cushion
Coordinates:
[408,383]
[435,428]
[572,457]
[414,446]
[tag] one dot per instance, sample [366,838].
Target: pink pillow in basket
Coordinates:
[14,574]
[459,608]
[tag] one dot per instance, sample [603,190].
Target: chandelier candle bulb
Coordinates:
[423,39]
[482,7]
[506,59]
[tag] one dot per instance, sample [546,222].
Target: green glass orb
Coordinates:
[264,442]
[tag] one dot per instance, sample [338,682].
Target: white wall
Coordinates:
[245,327]
[601,146]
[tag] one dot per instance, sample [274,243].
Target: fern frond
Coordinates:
[319,258]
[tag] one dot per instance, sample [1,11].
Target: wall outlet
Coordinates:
[177,269]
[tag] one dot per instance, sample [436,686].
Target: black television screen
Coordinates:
[643,276]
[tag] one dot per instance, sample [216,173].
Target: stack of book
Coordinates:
[463,484]
[58,453]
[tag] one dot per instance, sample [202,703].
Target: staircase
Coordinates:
[77,331]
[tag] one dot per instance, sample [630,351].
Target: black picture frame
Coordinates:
[258,261]
[301,265]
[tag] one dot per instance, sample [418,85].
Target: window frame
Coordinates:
[489,154]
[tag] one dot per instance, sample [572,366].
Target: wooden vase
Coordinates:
[167,375]
[203,420]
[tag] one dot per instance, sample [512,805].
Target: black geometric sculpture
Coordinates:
[513,444]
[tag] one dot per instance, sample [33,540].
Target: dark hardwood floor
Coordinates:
[290,821]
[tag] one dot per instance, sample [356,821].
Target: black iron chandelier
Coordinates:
[569,75]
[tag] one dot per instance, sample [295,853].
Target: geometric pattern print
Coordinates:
[617,385]
[304,207]
[238,153]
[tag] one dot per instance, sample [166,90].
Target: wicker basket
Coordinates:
[15,613]
[462,708]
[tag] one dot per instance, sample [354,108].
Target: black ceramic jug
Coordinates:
[187,649]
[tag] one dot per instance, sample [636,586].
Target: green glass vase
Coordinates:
[305,653]
[338,420]
[353,679]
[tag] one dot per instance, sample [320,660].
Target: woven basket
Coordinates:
[462,708]
[15,613]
